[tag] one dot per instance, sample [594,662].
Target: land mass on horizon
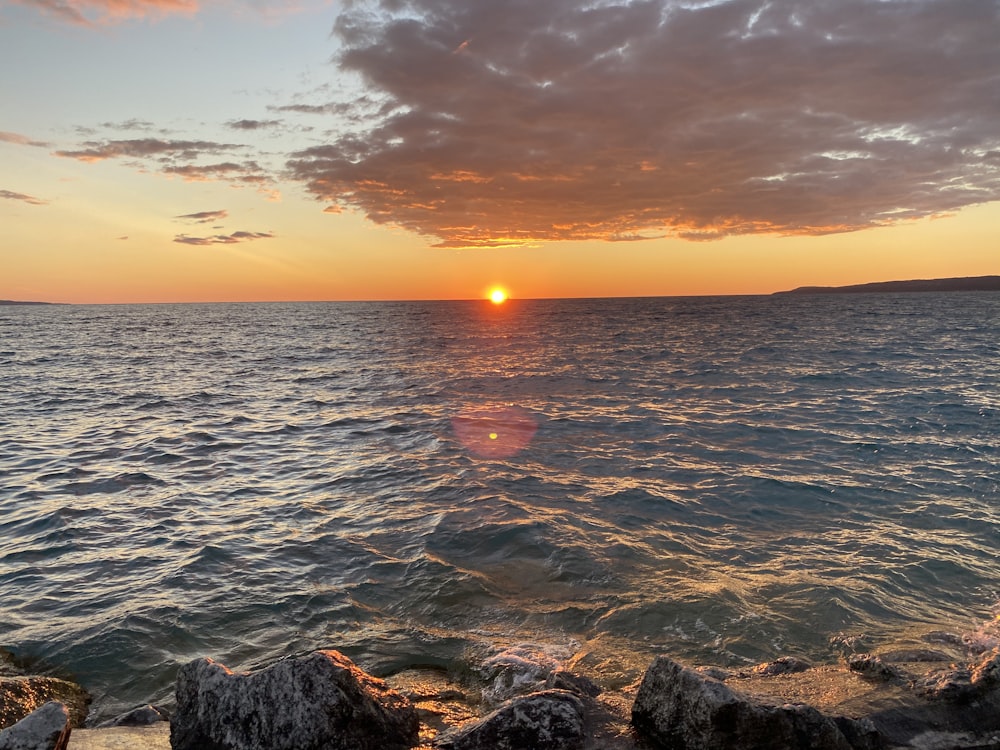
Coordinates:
[960,284]
[18,302]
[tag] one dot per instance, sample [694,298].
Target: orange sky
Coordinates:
[619,149]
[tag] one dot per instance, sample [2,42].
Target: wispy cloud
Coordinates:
[88,12]
[11,195]
[223,239]
[96,12]
[180,158]
[146,147]
[204,217]
[521,121]
[21,140]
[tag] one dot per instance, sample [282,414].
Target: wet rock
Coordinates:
[680,709]
[515,671]
[782,665]
[142,716]
[47,728]
[317,702]
[965,683]
[986,673]
[21,695]
[873,668]
[547,720]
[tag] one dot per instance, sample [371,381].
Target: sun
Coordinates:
[498,296]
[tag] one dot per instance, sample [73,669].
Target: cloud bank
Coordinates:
[524,121]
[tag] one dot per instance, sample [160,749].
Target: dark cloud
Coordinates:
[21,140]
[204,217]
[223,239]
[11,195]
[253,124]
[519,121]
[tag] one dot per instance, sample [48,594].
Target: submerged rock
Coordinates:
[21,695]
[873,668]
[782,665]
[316,702]
[142,716]
[547,720]
[680,709]
[47,728]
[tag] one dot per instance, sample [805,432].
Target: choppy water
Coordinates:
[723,479]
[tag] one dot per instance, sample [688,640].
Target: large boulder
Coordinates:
[47,728]
[547,720]
[681,709]
[20,695]
[316,702]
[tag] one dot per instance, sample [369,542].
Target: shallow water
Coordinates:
[725,479]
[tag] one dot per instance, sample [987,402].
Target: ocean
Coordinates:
[722,479]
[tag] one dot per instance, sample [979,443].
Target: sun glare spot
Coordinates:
[498,296]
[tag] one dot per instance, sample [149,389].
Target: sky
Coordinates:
[186,150]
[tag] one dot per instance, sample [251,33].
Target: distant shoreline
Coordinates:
[962,284]
[16,302]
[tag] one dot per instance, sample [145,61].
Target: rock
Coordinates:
[547,720]
[680,709]
[515,671]
[21,695]
[47,728]
[716,673]
[914,655]
[574,683]
[142,716]
[962,684]
[943,637]
[782,665]
[986,674]
[317,702]
[873,668]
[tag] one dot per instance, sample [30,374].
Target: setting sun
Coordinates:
[498,296]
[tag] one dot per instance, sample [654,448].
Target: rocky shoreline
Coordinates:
[945,696]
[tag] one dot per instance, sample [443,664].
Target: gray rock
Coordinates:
[547,720]
[142,716]
[680,709]
[47,728]
[316,702]
[21,695]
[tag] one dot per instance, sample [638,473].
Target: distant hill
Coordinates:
[964,284]
[16,302]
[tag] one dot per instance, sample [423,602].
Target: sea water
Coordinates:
[722,479]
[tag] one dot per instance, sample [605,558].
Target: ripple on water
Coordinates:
[718,478]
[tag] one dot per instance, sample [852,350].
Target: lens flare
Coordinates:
[495,432]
